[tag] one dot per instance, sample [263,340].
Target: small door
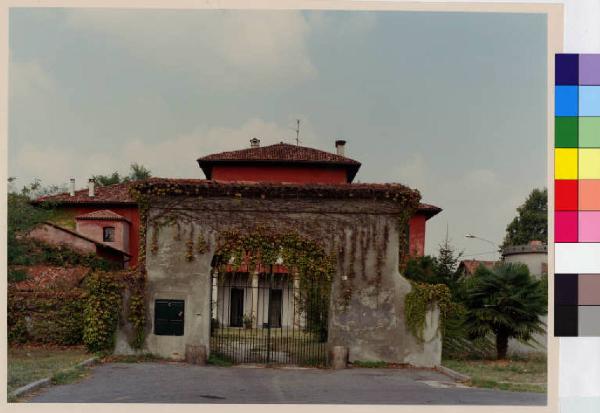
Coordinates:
[236,312]
[275,307]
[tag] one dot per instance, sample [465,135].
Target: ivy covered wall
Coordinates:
[361,238]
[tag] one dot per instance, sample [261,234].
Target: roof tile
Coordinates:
[280,152]
[103,214]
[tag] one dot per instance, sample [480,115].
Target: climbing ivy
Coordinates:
[420,300]
[265,246]
[315,257]
[101,311]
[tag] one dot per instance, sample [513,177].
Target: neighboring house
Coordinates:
[468,267]
[107,216]
[52,233]
[284,187]
[535,256]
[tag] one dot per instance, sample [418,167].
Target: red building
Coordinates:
[109,215]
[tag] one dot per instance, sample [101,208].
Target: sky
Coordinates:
[452,104]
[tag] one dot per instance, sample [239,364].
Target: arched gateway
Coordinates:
[270,298]
[241,260]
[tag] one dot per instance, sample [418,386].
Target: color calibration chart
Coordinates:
[577,195]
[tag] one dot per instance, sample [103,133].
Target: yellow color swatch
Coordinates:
[589,163]
[565,163]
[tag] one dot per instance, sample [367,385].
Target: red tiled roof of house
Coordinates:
[279,153]
[470,266]
[45,277]
[104,214]
[391,191]
[119,193]
[429,210]
[109,194]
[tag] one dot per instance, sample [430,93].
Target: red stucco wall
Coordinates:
[94,228]
[274,173]
[417,235]
[129,212]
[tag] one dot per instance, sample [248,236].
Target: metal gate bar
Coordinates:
[292,331]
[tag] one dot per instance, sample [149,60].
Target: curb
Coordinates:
[453,374]
[48,380]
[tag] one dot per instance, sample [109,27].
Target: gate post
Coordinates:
[338,356]
[254,312]
[195,354]
[215,296]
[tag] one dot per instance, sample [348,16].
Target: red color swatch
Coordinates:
[565,195]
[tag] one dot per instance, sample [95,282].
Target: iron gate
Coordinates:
[269,318]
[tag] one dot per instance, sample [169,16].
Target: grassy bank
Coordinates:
[27,364]
[527,375]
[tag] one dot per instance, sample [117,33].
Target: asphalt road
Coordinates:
[166,382]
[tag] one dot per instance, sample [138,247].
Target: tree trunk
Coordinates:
[501,345]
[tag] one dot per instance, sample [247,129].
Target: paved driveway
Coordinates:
[166,382]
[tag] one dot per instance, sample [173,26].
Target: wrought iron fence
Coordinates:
[269,318]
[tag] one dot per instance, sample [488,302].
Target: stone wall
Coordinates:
[367,300]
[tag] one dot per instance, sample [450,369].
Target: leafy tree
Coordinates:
[136,172]
[105,180]
[531,222]
[435,270]
[421,269]
[139,172]
[506,302]
[22,216]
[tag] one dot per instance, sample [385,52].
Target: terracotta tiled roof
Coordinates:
[104,214]
[429,210]
[468,267]
[279,153]
[44,277]
[119,193]
[204,187]
[110,194]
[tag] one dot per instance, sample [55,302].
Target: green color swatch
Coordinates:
[565,131]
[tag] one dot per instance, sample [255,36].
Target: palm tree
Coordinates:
[505,301]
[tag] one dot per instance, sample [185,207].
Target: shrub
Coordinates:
[52,317]
[506,302]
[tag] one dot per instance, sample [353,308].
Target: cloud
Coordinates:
[175,157]
[343,24]
[28,80]
[413,172]
[477,201]
[222,48]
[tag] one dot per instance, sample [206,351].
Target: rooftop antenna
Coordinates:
[297,132]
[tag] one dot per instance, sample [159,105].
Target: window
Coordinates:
[108,234]
[168,317]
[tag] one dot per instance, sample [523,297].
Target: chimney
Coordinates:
[255,143]
[91,185]
[72,187]
[340,146]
